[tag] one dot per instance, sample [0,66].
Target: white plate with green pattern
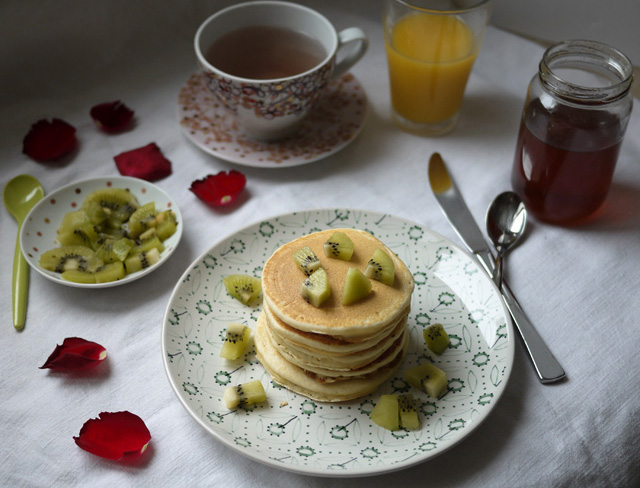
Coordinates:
[294,433]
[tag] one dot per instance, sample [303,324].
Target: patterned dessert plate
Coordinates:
[294,433]
[39,231]
[335,122]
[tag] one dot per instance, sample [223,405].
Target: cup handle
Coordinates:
[347,36]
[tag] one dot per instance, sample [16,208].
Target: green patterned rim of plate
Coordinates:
[290,431]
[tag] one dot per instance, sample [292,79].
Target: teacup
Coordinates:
[270,105]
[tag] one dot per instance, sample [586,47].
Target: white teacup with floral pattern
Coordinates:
[272,109]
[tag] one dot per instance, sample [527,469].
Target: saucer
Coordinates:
[335,122]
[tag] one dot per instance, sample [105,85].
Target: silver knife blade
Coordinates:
[457,213]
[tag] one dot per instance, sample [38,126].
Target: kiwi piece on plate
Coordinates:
[408,413]
[141,261]
[248,393]
[142,219]
[356,286]
[306,260]
[111,250]
[110,205]
[147,241]
[386,412]
[110,272]
[243,287]
[315,289]
[428,378]
[235,341]
[166,224]
[381,268]
[68,258]
[77,229]
[79,276]
[339,246]
[436,338]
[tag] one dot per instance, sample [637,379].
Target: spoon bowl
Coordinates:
[506,222]
[19,196]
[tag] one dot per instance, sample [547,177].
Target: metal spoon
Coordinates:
[506,222]
[20,195]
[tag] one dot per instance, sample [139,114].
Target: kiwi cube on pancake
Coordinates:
[428,378]
[306,260]
[386,412]
[235,341]
[315,289]
[408,412]
[248,393]
[339,246]
[356,286]
[381,268]
[436,338]
[243,287]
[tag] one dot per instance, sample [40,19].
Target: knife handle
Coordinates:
[545,363]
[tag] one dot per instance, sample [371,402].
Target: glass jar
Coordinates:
[573,122]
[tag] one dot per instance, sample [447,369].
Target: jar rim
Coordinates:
[579,54]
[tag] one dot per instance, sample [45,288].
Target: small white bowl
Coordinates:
[39,230]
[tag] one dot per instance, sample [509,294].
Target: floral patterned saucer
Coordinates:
[335,122]
[294,433]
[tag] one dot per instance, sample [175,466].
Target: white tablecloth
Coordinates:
[579,285]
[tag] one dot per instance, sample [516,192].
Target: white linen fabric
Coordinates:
[579,285]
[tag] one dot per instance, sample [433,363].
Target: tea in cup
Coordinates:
[269,62]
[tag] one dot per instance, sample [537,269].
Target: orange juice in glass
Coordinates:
[430,53]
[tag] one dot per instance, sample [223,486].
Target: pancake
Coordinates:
[281,280]
[310,385]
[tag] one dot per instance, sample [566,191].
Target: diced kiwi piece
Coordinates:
[247,393]
[315,289]
[386,412]
[110,272]
[77,229]
[436,338]
[146,241]
[78,276]
[142,219]
[356,286]
[243,287]
[235,341]
[408,413]
[141,261]
[68,258]
[339,246]
[111,250]
[428,378]
[306,260]
[381,268]
[166,224]
[116,204]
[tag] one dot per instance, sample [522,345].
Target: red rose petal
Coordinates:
[49,140]
[75,354]
[114,435]
[111,116]
[221,189]
[146,163]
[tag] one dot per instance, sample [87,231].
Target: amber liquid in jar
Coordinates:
[558,183]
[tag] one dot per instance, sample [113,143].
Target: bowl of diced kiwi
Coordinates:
[101,232]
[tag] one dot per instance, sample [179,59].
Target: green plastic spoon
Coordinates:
[20,195]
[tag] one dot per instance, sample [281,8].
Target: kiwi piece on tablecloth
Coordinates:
[235,341]
[381,268]
[248,393]
[436,338]
[339,246]
[67,258]
[306,260]
[428,378]
[315,289]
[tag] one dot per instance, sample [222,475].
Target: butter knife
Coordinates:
[456,211]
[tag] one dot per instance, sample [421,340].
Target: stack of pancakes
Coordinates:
[333,352]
